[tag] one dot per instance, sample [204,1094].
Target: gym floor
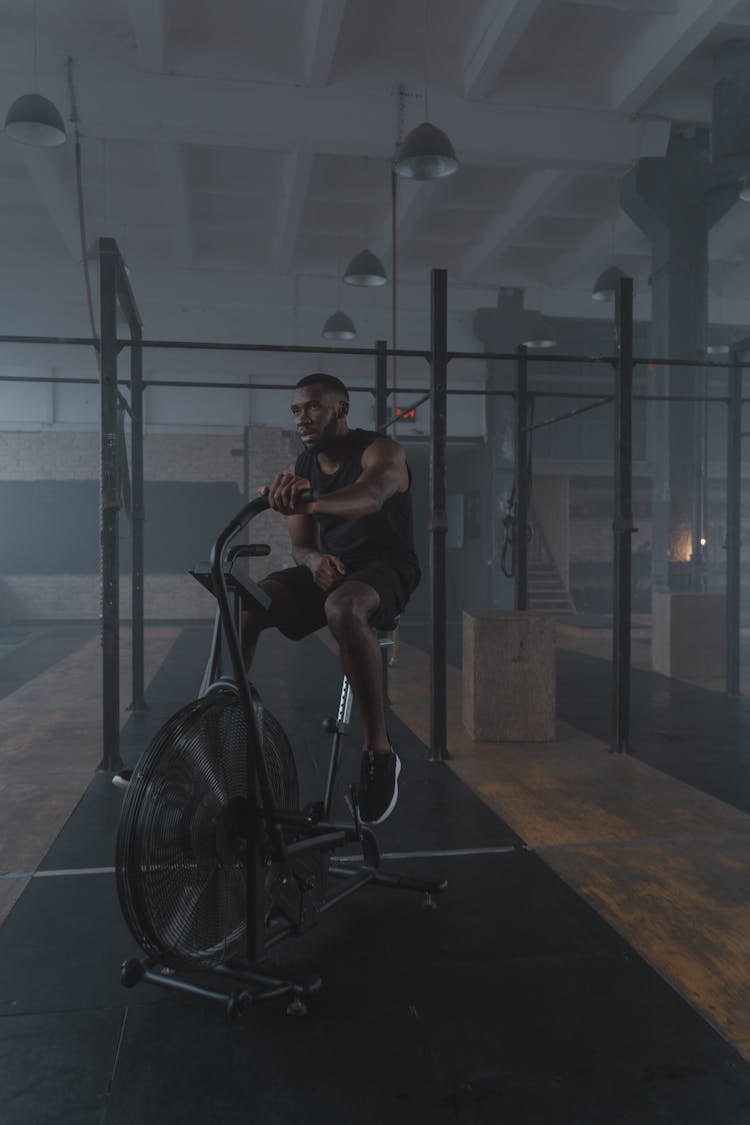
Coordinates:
[588,963]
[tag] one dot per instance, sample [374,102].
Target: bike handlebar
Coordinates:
[258,505]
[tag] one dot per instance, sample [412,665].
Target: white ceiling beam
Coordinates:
[297,171]
[52,172]
[730,238]
[599,249]
[354,122]
[323,22]
[655,7]
[172,180]
[493,36]
[665,44]
[739,18]
[534,195]
[730,280]
[688,106]
[148,23]
[412,197]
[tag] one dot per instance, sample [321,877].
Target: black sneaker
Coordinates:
[378,786]
[122,778]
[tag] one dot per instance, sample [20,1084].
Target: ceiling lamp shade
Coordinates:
[536,332]
[605,286]
[339,327]
[426,154]
[365,268]
[717,343]
[34,120]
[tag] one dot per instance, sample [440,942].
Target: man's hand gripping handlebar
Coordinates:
[289,495]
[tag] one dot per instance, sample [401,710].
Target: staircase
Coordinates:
[546,592]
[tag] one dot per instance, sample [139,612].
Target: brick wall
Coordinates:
[56,455]
[49,455]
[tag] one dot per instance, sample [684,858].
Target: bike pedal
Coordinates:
[315,811]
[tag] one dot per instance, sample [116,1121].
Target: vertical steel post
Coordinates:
[381,385]
[381,411]
[110,505]
[623,517]
[439,524]
[520,539]
[734,500]
[245,451]
[136,428]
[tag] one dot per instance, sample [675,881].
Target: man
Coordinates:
[356,565]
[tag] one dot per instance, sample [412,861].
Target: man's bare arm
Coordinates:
[302,535]
[327,570]
[384,473]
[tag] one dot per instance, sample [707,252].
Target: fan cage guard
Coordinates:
[181,873]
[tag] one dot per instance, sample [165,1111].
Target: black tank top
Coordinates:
[387,534]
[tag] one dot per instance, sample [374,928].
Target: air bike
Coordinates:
[216,862]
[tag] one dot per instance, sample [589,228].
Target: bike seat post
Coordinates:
[385,635]
[340,728]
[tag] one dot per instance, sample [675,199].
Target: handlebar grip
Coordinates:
[248,550]
[254,508]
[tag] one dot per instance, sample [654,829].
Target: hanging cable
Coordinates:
[394,283]
[509,519]
[401,111]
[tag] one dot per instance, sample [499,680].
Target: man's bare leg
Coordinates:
[348,610]
[256,620]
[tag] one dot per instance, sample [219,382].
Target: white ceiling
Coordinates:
[239,152]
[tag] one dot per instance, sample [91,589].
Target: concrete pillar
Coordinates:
[730,111]
[675,200]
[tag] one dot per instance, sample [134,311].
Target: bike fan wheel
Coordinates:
[181,874]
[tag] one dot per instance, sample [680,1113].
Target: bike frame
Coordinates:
[313,829]
[260,806]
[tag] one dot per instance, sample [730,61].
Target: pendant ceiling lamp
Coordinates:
[717,344]
[426,154]
[33,119]
[605,286]
[536,331]
[339,326]
[365,269]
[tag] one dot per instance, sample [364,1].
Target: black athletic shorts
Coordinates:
[393,585]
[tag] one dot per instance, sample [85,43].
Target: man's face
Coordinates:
[317,414]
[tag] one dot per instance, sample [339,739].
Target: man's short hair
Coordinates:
[328,382]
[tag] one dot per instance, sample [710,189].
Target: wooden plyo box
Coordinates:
[509,677]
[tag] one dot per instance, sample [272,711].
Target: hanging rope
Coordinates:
[511,512]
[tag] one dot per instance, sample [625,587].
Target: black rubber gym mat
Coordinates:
[513,1001]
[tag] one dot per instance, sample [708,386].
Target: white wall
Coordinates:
[65,406]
